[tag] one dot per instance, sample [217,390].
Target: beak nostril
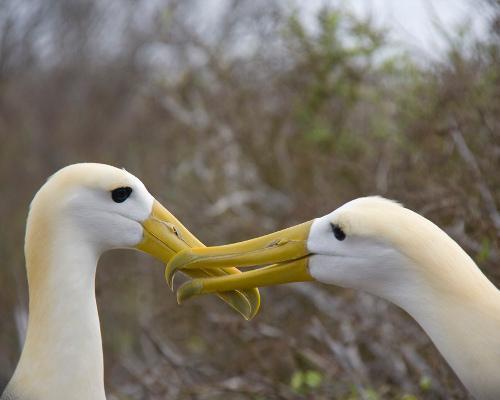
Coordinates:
[175,231]
[277,243]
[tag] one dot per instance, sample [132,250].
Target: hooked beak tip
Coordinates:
[175,263]
[189,289]
[169,277]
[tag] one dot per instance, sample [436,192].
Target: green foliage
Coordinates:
[306,381]
[409,397]
[253,123]
[196,345]
[370,394]
[425,383]
[337,58]
[484,251]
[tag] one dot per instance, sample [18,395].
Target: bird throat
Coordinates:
[62,356]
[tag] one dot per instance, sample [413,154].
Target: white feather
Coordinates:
[396,254]
[72,221]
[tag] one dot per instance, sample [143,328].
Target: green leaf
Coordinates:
[425,383]
[313,379]
[297,381]
[484,251]
[370,394]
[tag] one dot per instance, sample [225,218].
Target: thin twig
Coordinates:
[472,164]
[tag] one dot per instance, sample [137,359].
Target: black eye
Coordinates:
[119,195]
[337,232]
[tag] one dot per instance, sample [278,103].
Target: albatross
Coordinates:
[378,246]
[82,211]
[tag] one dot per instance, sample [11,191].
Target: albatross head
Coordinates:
[370,243]
[104,208]
[378,246]
[81,212]
[91,208]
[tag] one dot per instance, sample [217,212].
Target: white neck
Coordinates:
[461,314]
[468,336]
[62,356]
[422,270]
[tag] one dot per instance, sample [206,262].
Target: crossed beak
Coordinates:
[283,256]
[164,236]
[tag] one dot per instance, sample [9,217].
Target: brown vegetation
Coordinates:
[242,123]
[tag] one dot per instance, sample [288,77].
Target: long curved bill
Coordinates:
[165,236]
[283,254]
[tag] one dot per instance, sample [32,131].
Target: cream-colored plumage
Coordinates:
[376,245]
[438,284]
[79,213]
[63,351]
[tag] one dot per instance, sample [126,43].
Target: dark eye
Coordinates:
[119,195]
[337,232]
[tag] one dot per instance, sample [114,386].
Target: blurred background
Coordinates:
[243,117]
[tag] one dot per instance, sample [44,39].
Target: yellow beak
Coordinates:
[165,236]
[286,250]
